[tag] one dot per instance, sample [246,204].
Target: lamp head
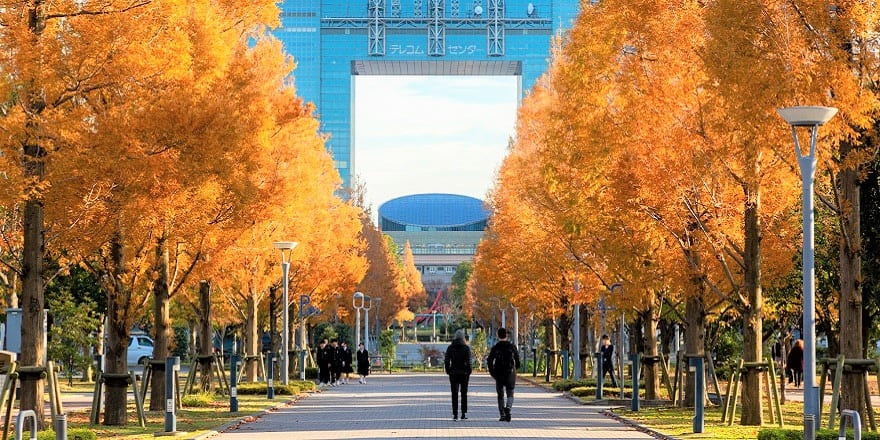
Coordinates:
[807,116]
[358,295]
[285,245]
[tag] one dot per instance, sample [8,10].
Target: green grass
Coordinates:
[193,420]
[678,422]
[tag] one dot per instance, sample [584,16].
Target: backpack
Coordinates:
[504,361]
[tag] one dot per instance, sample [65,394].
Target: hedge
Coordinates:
[72,434]
[822,434]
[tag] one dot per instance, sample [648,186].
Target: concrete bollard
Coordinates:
[60,427]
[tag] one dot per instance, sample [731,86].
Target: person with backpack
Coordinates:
[503,362]
[457,364]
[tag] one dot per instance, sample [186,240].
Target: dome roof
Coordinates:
[436,210]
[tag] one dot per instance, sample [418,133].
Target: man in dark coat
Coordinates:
[458,366]
[607,350]
[346,361]
[320,358]
[503,362]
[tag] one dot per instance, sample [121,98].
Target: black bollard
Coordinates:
[233,384]
[600,377]
[270,388]
[636,405]
[172,364]
[547,365]
[564,364]
[534,362]
[696,368]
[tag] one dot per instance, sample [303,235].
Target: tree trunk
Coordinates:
[650,369]
[206,346]
[852,395]
[695,335]
[251,339]
[162,325]
[118,333]
[33,246]
[584,349]
[753,315]
[550,343]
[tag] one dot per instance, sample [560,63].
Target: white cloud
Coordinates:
[431,134]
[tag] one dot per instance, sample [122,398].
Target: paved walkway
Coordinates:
[418,406]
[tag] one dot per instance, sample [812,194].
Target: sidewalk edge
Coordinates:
[253,416]
[638,426]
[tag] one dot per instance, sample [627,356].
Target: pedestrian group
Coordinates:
[334,360]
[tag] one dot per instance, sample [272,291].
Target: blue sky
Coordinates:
[420,134]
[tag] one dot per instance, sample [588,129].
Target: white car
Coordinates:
[140,350]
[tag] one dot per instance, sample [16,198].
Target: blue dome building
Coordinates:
[433,212]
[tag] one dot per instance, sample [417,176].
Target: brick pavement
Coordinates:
[418,406]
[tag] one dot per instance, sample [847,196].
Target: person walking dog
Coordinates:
[503,362]
[458,366]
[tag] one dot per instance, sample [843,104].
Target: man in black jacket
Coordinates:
[503,363]
[458,366]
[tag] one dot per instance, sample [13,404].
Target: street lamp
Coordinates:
[378,303]
[286,248]
[358,303]
[367,307]
[811,117]
[620,355]
[434,325]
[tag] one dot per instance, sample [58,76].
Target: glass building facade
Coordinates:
[332,41]
[433,212]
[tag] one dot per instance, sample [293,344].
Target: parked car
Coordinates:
[140,349]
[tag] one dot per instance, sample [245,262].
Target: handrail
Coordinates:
[19,424]
[856,424]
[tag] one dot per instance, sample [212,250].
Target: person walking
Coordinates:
[457,364]
[335,362]
[795,362]
[503,362]
[346,361]
[607,350]
[363,358]
[323,372]
[327,363]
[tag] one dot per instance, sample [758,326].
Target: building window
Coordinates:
[450,269]
[432,269]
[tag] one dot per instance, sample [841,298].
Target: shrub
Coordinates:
[305,385]
[311,373]
[567,384]
[583,391]
[72,434]
[198,400]
[260,388]
[822,434]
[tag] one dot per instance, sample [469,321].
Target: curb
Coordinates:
[252,417]
[638,426]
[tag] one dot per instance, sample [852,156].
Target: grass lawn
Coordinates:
[678,422]
[194,421]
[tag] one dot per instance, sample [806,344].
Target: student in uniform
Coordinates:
[323,373]
[363,358]
[335,354]
[346,361]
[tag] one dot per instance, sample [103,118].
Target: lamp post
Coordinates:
[812,118]
[286,248]
[367,307]
[434,325]
[378,303]
[620,355]
[358,303]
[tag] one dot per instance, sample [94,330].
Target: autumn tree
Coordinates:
[411,278]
